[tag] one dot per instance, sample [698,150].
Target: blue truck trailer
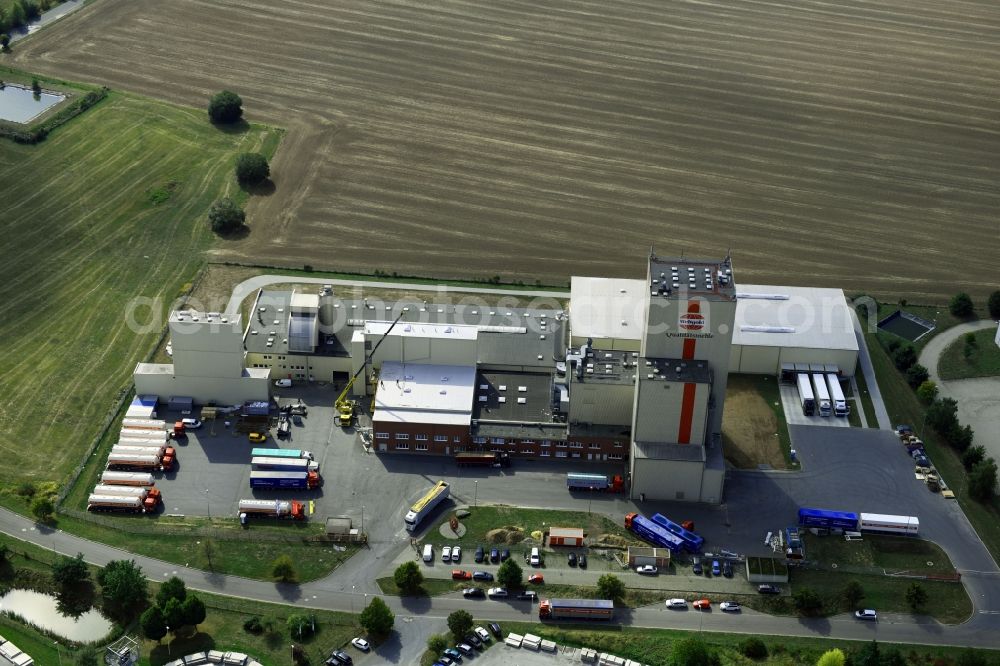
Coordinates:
[655,534]
[826,519]
[271,480]
[692,542]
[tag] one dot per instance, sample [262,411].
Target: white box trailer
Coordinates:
[806,397]
[823,407]
[138,433]
[877,522]
[144,424]
[123,491]
[127,479]
[840,407]
[151,450]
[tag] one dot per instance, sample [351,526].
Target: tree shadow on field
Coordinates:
[235,235]
[239,127]
[263,189]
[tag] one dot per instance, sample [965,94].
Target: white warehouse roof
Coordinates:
[420,393]
[793,317]
[606,308]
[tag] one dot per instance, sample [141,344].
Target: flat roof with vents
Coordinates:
[514,397]
[419,393]
[803,317]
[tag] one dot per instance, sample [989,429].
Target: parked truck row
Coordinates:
[280,471]
[821,393]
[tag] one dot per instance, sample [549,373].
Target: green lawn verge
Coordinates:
[865,398]
[948,603]
[893,554]
[653,646]
[431,587]
[903,407]
[983,362]
[768,389]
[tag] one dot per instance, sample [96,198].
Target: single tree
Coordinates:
[5,42]
[252,169]
[904,357]
[973,456]
[173,613]
[460,623]
[832,658]
[942,415]
[225,216]
[753,648]
[916,596]
[691,652]
[916,375]
[85,657]
[4,552]
[300,625]
[807,601]
[209,549]
[225,107]
[376,618]
[172,588]
[927,392]
[510,574]
[961,305]
[42,509]
[408,577]
[70,572]
[853,593]
[283,569]
[17,17]
[36,87]
[610,586]
[969,346]
[983,480]
[194,611]
[993,305]
[868,656]
[960,437]
[154,626]
[123,587]
[437,644]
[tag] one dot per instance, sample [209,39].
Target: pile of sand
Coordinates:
[610,541]
[509,534]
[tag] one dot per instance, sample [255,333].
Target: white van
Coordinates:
[428,552]
[535,559]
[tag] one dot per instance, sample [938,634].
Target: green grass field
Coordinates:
[108,211]
[983,362]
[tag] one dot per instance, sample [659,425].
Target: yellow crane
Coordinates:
[345,406]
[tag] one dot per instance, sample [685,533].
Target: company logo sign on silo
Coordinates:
[692,320]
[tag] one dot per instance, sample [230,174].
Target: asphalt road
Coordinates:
[980,631]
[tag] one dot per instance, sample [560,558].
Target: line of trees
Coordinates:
[963,307]
[173,610]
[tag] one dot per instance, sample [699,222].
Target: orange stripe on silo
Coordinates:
[688,352]
[687,414]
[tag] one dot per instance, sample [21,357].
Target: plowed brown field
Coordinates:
[834,142]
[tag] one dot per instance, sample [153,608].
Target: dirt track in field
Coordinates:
[839,143]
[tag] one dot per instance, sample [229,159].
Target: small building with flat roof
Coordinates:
[566,536]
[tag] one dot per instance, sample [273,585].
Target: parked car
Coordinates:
[528,595]
[495,628]
[494,555]
[922,461]
[484,635]
[456,554]
[482,575]
[572,559]
[297,420]
[677,603]
[341,657]
[459,574]
[473,592]
[866,614]
[473,640]
[767,588]
[446,554]
[283,383]
[480,554]
[361,644]
[465,649]
[582,561]
[727,569]
[716,569]
[536,579]
[497,593]
[702,604]
[696,566]
[448,660]
[257,437]
[729,607]
[505,555]
[647,570]
[191,424]
[535,559]
[454,654]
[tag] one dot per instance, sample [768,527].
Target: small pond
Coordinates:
[42,610]
[21,105]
